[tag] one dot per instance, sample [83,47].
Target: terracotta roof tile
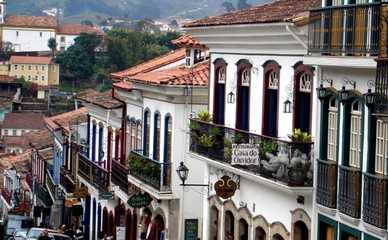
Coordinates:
[187,41]
[18,141]
[77,29]
[30,60]
[278,11]
[31,21]
[103,99]
[198,75]
[40,139]
[151,65]
[123,85]
[23,121]
[65,120]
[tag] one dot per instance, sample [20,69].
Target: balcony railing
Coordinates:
[375,200]
[327,183]
[43,194]
[120,175]
[282,161]
[51,185]
[7,195]
[66,181]
[345,30]
[151,172]
[94,174]
[349,194]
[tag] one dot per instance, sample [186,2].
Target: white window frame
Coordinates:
[222,75]
[305,83]
[246,77]
[332,130]
[273,81]
[355,136]
[381,154]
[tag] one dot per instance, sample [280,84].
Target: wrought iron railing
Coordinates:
[43,194]
[94,174]
[7,195]
[349,194]
[345,30]
[326,193]
[51,186]
[120,175]
[287,162]
[67,181]
[375,200]
[151,172]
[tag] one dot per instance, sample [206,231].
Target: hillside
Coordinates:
[134,9]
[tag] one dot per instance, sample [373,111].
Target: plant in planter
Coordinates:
[206,141]
[204,116]
[299,136]
[299,168]
[267,146]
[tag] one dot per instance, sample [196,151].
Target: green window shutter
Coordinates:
[369,237]
[324,126]
[349,230]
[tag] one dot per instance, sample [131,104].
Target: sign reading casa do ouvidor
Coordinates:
[140,200]
[225,187]
[245,154]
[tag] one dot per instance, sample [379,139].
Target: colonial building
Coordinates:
[257,146]
[67,33]
[345,38]
[40,70]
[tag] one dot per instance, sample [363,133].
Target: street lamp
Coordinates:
[369,98]
[322,91]
[183,173]
[287,106]
[231,98]
[344,94]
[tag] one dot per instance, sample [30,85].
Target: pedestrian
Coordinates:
[79,235]
[44,235]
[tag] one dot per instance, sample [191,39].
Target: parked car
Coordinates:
[19,235]
[17,223]
[34,233]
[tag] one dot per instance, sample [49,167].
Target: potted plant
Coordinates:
[204,116]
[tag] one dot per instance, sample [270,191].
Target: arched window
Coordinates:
[303,85]
[117,145]
[332,130]
[167,149]
[229,225]
[156,148]
[146,137]
[219,91]
[138,131]
[271,98]
[243,94]
[100,142]
[109,147]
[214,222]
[133,135]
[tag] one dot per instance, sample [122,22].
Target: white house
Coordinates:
[261,90]
[351,170]
[67,33]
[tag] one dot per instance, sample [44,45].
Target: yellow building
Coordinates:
[41,70]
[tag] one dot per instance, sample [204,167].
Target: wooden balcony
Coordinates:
[67,181]
[349,194]
[282,161]
[351,30]
[7,195]
[153,173]
[375,200]
[326,193]
[94,174]
[120,175]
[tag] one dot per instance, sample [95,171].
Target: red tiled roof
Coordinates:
[187,41]
[31,21]
[7,79]
[30,60]
[278,11]
[103,99]
[125,85]
[23,121]
[39,140]
[77,29]
[65,120]
[198,75]
[151,65]
[15,141]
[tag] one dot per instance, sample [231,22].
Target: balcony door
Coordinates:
[381,149]
[219,91]
[167,152]
[243,94]
[303,85]
[271,98]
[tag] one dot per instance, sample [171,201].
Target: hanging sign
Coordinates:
[245,154]
[140,200]
[106,195]
[120,233]
[225,187]
[81,192]
[191,229]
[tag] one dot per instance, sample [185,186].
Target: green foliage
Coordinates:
[206,141]
[6,51]
[29,89]
[267,146]
[79,59]
[204,116]
[299,136]
[52,44]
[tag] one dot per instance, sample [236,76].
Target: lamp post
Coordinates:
[322,92]
[370,98]
[287,106]
[231,98]
[344,94]
[183,173]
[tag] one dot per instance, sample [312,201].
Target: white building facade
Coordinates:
[261,97]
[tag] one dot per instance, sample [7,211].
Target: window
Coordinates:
[273,81]
[36,78]
[40,34]
[101,142]
[168,139]
[22,67]
[36,67]
[63,39]
[30,67]
[219,91]
[222,75]
[16,67]
[29,77]
[17,33]
[42,68]
[243,94]
[42,78]
[332,130]
[146,137]
[381,147]
[14,133]
[133,135]
[305,83]
[156,152]
[355,135]
[6,132]
[138,144]
[246,77]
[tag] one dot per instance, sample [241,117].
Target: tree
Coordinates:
[52,44]
[228,6]
[87,23]
[79,59]
[242,4]
[6,51]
